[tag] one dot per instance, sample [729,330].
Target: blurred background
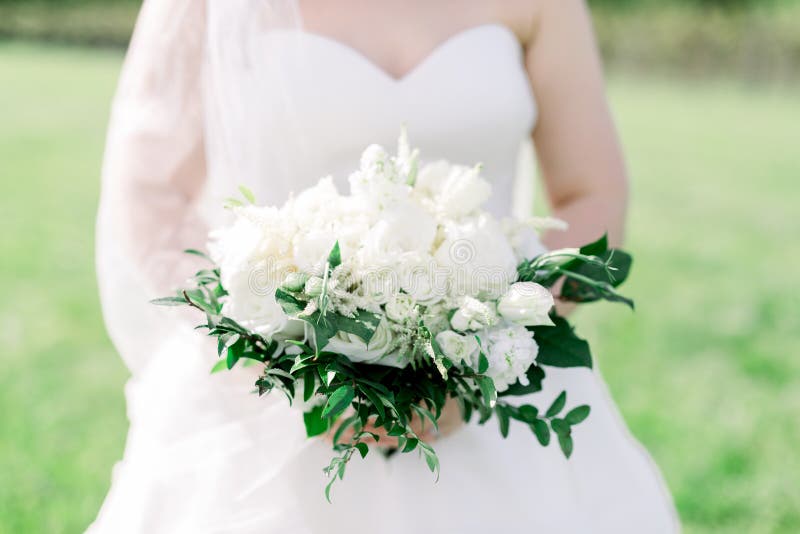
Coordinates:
[707,371]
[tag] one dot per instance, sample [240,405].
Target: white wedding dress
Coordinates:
[206,455]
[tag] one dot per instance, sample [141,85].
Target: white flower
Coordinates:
[524,238]
[478,258]
[473,315]
[311,250]
[313,286]
[294,281]
[511,350]
[400,308]
[455,190]
[527,304]
[460,349]
[356,350]
[252,304]
[420,276]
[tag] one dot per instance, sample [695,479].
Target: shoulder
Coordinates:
[526,17]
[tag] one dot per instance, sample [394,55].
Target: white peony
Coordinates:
[473,315]
[454,190]
[478,258]
[461,349]
[527,304]
[511,350]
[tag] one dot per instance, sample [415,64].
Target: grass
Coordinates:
[707,371]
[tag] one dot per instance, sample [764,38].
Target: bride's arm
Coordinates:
[154,165]
[576,143]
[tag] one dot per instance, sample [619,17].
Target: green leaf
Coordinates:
[291,306]
[169,301]
[235,351]
[247,194]
[363,325]
[483,363]
[596,248]
[350,421]
[315,423]
[335,257]
[560,347]
[577,415]
[541,431]
[309,385]
[426,414]
[363,448]
[488,390]
[376,401]
[528,413]
[430,458]
[560,426]
[617,270]
[565,442]
[219,366]
[502,419]
[195,252]
[410,444]
[339,401]
[558,405]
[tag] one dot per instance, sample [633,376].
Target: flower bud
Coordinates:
[294,282]
[313,287]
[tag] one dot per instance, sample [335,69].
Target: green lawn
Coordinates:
[707,371]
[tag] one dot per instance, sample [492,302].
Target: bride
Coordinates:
[274,95]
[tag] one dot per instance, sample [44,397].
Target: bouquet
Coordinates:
[372,309]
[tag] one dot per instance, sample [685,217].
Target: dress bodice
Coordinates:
[469,101]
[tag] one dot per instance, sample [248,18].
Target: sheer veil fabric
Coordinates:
[187,122]
[214,94]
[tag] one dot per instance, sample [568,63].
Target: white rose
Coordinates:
[460,349]
[473,315]
[400,308]
[252,304]
[420,276]
[527,304]
[478,257]
[511,350]
[356,350]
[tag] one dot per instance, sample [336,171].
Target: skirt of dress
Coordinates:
[206,455]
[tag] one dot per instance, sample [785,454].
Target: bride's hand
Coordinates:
[449,421]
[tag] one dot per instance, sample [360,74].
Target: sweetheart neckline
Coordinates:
[429,58]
